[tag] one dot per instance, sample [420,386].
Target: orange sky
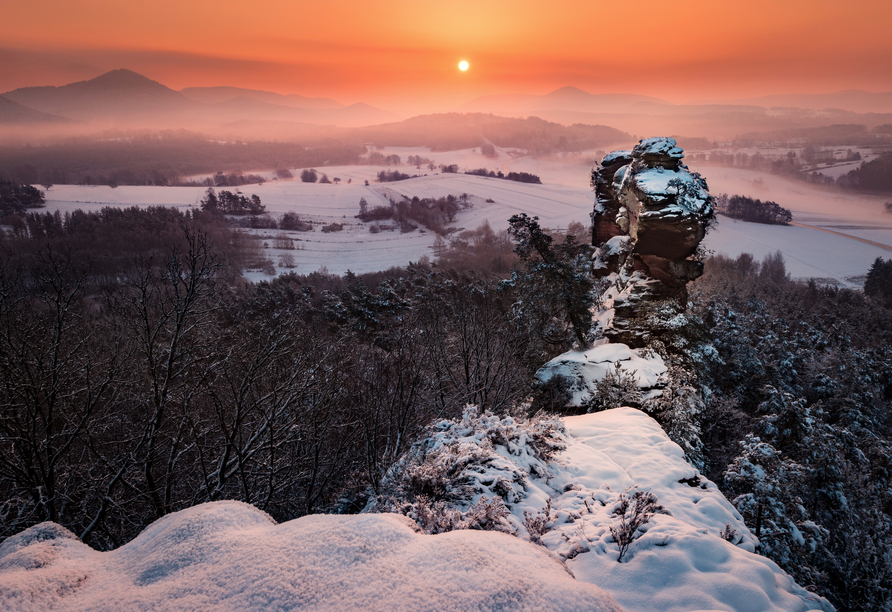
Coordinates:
[396,51]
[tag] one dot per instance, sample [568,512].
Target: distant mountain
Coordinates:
[125,98]
[563,99]
[854,100]
[214,95]
[13,113]
[119,94]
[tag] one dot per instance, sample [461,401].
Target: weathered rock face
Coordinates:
[650,215]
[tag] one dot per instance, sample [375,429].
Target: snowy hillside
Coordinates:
[230,556]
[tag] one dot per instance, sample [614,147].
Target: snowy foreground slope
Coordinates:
[681,562]
[230,556]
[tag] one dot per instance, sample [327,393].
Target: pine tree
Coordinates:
[878,283]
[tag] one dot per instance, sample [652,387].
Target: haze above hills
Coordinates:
[124,99]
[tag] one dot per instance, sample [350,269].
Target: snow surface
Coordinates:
[583,369]
[809,253]
[356,248]
[230,556]
[678,562]
[615,155]
[655,183]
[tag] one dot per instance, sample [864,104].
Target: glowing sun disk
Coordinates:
[463,65]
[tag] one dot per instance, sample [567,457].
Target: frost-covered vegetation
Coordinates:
[607,493]
[796,430]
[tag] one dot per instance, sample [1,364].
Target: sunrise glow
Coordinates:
[397,52]
[463,65]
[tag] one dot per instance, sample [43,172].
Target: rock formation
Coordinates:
[650,215]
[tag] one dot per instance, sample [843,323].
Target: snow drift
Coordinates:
[231,556]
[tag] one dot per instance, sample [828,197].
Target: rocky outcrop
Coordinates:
[651,213]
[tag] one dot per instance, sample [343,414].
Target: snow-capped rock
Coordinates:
[650,215]
[583,369]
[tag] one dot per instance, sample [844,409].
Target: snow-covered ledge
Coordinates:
[581,370]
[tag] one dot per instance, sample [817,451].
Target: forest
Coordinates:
[141,375]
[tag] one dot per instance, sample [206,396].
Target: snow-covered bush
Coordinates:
[539,523]
[634,510]
[619,387]
[467,469]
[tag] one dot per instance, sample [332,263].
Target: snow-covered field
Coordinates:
[808,253]
[356,248]
[564,197]
[230,556]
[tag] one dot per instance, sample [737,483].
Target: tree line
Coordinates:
[229,203]
[754,210]
[16,198]
[520,177]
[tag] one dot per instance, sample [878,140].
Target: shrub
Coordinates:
[389,176]
[292,222]
[537,525]
[617,388]
[634,512]
[436,481]
[282,241]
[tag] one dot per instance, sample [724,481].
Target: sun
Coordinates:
[463,65]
